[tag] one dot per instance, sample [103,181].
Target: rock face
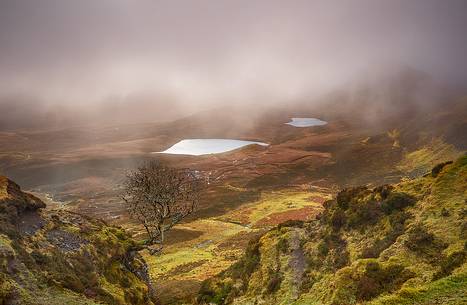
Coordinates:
[395,244]
[58,257]
[14,203]
[11,194]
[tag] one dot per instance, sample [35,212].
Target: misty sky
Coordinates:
[213,51]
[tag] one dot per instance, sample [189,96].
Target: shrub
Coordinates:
[205,293]
[448,264]
[274,281]
[331,241]
[397,202]
[7,289]
[397,221]
[219,295]
[338,219]
[375,249]
[366,213]
[346,196]
[419,239]
[39,258]
[340,259]
[291,223]
[333,252]
[308,280]
[438,168]
[323,248]
[252,257]
[243,268]
[384,190]
[425,243]
[283,245]
[72,282]
[378,279]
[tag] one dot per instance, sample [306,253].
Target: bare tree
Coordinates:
[159,197]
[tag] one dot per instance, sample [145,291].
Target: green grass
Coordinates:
[202,252]
[54,296]
[451,290]
[413,231]
[423,159]
[274,203]
[223,238]
[83,256]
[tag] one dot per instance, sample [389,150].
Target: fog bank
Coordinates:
[137,60]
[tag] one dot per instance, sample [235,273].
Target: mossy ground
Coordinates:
[57,257]
[400,244]
[262,213]
[223,240]
[420,161]
[449,290]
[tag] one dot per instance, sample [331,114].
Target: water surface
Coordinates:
[306,122]
[198,147]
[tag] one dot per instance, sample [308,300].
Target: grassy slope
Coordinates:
[180,269]
[57,257]
[223,236]
[334,154]
[401,244]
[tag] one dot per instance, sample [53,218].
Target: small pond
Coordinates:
[306,122]
[197,147]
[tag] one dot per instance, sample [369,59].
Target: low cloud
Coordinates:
[89,54]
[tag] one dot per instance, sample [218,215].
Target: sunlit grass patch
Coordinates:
[207,255]
[273,203]
[393,244]
[164,263]
[224,238]
[451,290]
[55,296]
[422,160]
[203,250]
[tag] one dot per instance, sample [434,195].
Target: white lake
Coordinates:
[197,147]
[306,122]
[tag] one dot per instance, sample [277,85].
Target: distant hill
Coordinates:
[57,257]
[32,113]
[394,244]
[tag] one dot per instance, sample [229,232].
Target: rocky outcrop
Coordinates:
[12,196]
[59,257]
[13,204]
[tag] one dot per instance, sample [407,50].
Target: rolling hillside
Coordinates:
[404,243]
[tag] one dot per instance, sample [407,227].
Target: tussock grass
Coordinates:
[399,244]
